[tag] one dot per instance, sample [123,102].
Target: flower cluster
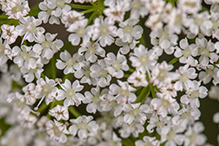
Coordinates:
[130,72]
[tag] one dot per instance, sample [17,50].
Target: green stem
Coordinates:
[152,90]
[126,75]
[127,142]
[53,67]
[77,6]
[88,11]
[174,60]
[42,107]
[131,70]
[74,112]
[92,17]
[143,95]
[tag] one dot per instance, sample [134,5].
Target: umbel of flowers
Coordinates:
[132,72]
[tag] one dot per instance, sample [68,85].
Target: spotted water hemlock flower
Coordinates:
[83,126]
[151,141]
[99,72]
[9,33]
[27,120]
[70,17]
[58,6]
[186,52]
[57,131]
[161,75]
[143,59]
[69,64]
[194,136]
[45,88]
[70,93]
[193,93]
[28,28]
[48,46]
[25,56]
[164,106]
[138,79]
[80,31]
[129,30]
[16,9]
[213,92]
[209,73]
[186,74]
[93,99]
[165,39]
[116,64]
[103,31]
[59,112]
[123,92]
[138,9]
[190,6]
[91,51]
[125,47]
[136,112]
[5,52]
[110,138]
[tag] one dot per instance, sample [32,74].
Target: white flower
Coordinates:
[57,131]
[16,9]
[213,93]
[59,112]
[91,51]
[71,93]
[138,9]
[186,74]
[83,126]
[80,31]
[143,59]
[48,46]
[69,64]
[45,88]
[193,93]
[5,52]
[187,53]
[138,79]
[116,65]
[193,136]
[9,33]
[190,6]
[147,141]
[28,28]
[104,31]
[70,17]
[99,72]
[129,31]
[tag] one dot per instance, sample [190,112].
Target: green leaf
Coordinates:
[77,6]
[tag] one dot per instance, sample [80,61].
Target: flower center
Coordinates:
[178,19]
[70,93]
[2,49]
[31,28]
[47,44]
[144,59]
[96,99]
[195,94]
[82,125]
[103,73]
[110,142]
[136,4]
[162,74]
[209,72]
[25,55]
[148,144]
[81,31]
[60,3]
[18,8]
[198,21]
[186,115]
[186,52]
[165,103]
[70,62]
[160,124]
[204,51]
[193,137]
[184,77]
[135,112]
[164,35]
[171,135]
[117,65]
[91,50]
[46,89]
[124,92]
[128,28]
[104,31]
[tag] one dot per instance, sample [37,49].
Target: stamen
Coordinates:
[37,107]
